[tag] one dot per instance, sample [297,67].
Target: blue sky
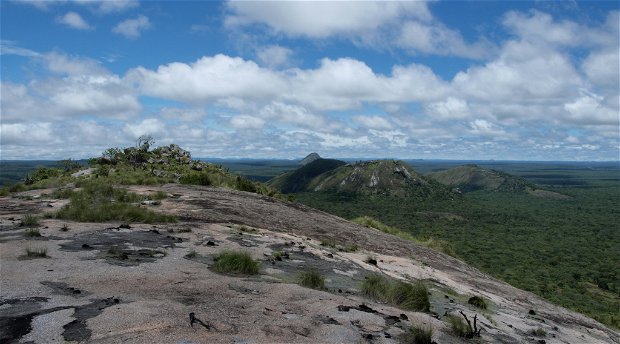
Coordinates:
[509,80]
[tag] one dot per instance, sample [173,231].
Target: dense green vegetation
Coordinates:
[237,263]
[98,201]
[300,179]
[311,279]
[399,293]
[564,250]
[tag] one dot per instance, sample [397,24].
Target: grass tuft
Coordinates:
[98,201]
[237,263]
[36,253]
[539,332]
[457,325]
[477,301]
[401,294]
[29,220]
[311,279]
[191,254]
[32,233]
[417,335]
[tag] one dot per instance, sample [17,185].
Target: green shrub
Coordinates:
[29,220]
[458,325]
[477,301]
[36,253]
[117,253]
[376,287]
[410,296]
[311,279]
[42,173]
[243,184]
[158,196]
[238,263]
[196,179]
[399,293]
[328,243]
[539,332]
[348,248]
[32,233]
[191,254]
[98,202]
[417,335]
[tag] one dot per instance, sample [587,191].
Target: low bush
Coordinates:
[29,220]
[98,202]
[417,335]
[401,294]
[36,253]
[477,301]
[238,263]
[457,325]
[311,279]
[539,332]
[32,233]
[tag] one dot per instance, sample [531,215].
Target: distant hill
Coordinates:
[473,177]
[310,158]
[298,180]
[384,177]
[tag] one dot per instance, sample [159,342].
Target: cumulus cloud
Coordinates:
[97,6]
[11,48]
[274,56]
[436,38]
[73,20]
[374,24]
[209,78]
[322,19]
[373,122]
[132,28]
[246,122]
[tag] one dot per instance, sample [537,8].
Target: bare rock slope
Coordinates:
[106,283]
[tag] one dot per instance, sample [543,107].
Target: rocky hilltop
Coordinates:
[300,179]
[185,263]
[473,177]
[378,177]
[310,158]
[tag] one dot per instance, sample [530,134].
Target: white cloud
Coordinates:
[209,78]
[132,28]
[73,20]
[451,108]
[294,114]
[436,38]
[148,126]
[322,19]
[274,56]
[97,6]
[485,128]
[10,48]
[60,63]
[603,68]
[373,122]
[246,122]
[589,110]
[27,134]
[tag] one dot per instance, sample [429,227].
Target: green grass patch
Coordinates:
[236,263]
[435,244]
[98,201]
[417,335]
[29,220]
[539,332]
[32,233]
[36,253]
[311,279]
[399,293]
[457,325]
[478,301]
